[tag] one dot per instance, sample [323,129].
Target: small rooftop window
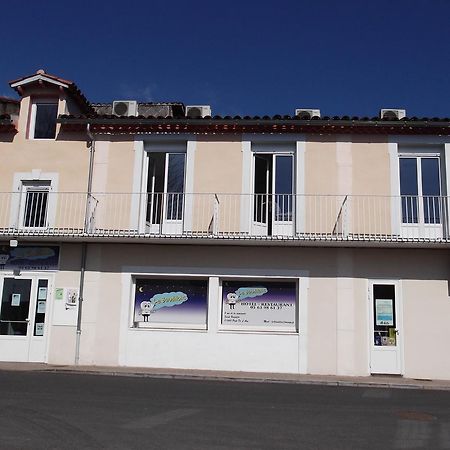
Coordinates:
[43,124]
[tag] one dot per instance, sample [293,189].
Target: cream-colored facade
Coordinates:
[353,268]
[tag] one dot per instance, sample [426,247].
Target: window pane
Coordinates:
[261,189]
[408,176]
[175,175]
[283,188]
[175,186]
[431,189]
[35,208]
[170,302]
[41,307]
[14,307]
[259,303]
[283,177]
[155,187]
[408,189]
[384,320]
[45,123]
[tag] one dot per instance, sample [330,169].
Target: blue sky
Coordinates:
[242,57]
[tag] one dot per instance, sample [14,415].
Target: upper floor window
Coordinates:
[43,120]
[34,204]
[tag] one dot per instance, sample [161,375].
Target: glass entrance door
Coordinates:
[22,318]
[385,329]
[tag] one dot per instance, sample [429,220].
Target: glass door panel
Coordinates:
[409,190]
[175,185]
[283,188]
[431,190]
[155,187]
[384,320]
[261,189]
[15,307]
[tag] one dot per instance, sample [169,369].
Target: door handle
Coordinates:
[27,320]
[396,332]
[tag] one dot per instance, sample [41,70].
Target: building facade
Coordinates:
[155,235]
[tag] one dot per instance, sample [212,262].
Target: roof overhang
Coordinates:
[130,125]
[37,78]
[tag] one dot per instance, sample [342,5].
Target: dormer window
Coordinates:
[43,120]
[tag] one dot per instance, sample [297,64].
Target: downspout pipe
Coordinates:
[91,145]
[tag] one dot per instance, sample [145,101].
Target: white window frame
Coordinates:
[37,178]
[41,101]
[37,187]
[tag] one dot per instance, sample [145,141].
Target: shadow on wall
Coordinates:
[414,264]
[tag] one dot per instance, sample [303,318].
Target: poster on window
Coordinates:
[384,311]
[259,304]
[170,302]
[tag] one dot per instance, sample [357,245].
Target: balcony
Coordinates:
[226,217]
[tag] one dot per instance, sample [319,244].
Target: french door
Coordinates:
[165,193]
[423,208]
[24,318]
[273,199]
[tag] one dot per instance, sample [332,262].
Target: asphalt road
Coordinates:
[80,411]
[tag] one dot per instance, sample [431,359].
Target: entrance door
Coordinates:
[273,202]
[23,329]
[165,193]
[385,328]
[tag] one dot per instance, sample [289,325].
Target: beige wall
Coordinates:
[336,166]
[69,158]
[218,166]
[347,165]
[337,317]
[217,170]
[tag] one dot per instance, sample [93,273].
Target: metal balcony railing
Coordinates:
[222,216]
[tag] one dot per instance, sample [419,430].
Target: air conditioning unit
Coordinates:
[198,111]
[310,113]
[392,114]
[125,108]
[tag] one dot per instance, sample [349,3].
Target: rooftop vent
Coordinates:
[198,111]
[124,108]
[392,114]
[307,113]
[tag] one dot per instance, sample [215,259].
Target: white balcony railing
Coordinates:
[258,216]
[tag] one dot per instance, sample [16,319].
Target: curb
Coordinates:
[243,379]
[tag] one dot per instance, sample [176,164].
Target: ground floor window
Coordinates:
[260,305]
[170,303]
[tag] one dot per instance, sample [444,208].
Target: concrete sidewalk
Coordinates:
[330,380]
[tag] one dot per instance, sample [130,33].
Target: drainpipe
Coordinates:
[91,144]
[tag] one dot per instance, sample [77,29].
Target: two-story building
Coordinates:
[158,235]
